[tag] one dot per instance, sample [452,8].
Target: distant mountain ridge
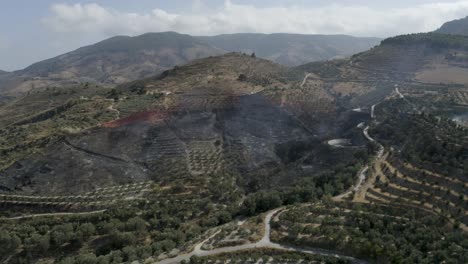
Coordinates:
[456,27]
[292,49]
[156,50]
[112,61]
[122,59]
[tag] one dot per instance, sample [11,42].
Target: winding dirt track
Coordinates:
[265,242]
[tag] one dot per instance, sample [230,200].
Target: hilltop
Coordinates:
[456,27]
[218,72]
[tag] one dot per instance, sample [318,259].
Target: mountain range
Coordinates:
[121,59]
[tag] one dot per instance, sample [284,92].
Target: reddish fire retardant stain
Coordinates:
[150,117]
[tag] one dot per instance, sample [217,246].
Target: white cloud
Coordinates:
[232,18]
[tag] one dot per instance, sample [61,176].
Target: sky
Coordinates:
[34,30]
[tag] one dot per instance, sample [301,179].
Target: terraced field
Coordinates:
[398,205]
[135,104]
[237,233]
[267,256]
[100,198]
[405,185]
[205,157]
[374,231]
[234,153]
[460,97]
[162,142]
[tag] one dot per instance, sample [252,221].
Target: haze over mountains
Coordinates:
[122,59]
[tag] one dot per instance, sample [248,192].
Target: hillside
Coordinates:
[456,27]
[292,49]
[112,61]
[235,100]
[421,61]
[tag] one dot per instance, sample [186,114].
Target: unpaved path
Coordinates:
[305,79]
[265,242]
[398,93]
[54,214]
[355,188]
[372,113]
[111,108]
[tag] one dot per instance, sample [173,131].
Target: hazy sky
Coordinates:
[34,30]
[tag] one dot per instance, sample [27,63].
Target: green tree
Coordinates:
[136,224]
[86,259]
[9,242]
[87,229]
